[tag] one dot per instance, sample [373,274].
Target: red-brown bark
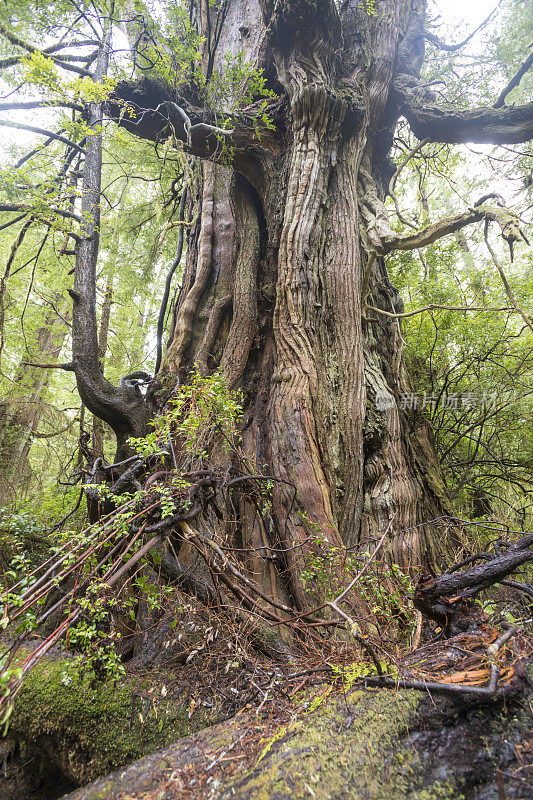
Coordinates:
[287,242]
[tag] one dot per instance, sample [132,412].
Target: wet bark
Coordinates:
[448,598]
[272,293]
[286,269]
[364,744]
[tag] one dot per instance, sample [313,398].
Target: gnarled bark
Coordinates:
[272,292]
[287,242]
[293,334]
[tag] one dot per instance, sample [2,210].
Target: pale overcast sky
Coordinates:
[473,11]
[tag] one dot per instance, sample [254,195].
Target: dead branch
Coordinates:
[524,67]
[437,307]
[452,48]
[507,220]
[447,599]
[509,292]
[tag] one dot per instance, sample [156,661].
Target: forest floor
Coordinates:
[234,726]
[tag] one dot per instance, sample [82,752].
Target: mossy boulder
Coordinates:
[87,729]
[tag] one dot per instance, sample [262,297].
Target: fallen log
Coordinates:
[372,743]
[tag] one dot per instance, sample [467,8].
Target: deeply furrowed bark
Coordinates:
[272,293]
[286,277]
[286,271]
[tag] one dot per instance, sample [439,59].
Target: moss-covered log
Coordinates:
[373,744]
[80,731]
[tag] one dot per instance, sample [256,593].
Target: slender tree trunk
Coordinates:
[5,276]
[122,407]
[103,332]
[22,410]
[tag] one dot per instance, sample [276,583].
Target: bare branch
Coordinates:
[394,178]
[452,48]
[40,104]
[413,151]
[61,60]
[436,307]
[527,588]
[515,80]
[35,150]
[21,207]
[42,132]
[18,42]
[12,222]
[42,435]
[452,124]
[508,290]
[506,219]
[443,598]
[67,366]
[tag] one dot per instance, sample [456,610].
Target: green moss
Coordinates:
[86,730]
[344,749]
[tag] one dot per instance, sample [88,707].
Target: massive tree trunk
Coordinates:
[273,288]
[286,293]
[286,289]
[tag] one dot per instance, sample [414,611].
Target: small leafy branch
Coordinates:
[351,674]
[129,536]
[386,588]
[196,413]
